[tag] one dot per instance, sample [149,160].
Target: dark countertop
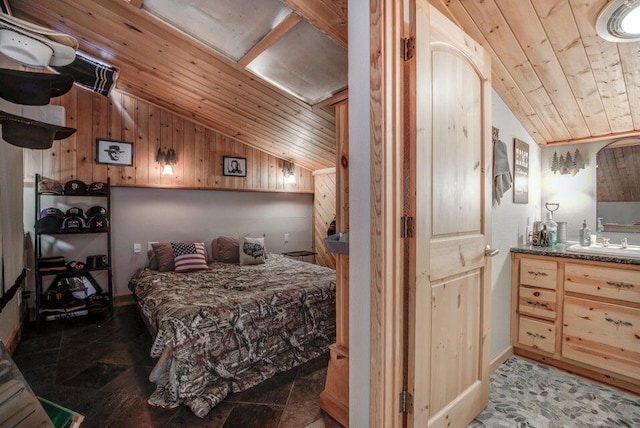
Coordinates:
[560,251]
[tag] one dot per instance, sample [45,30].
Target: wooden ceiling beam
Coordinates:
[273,36]
[329,16]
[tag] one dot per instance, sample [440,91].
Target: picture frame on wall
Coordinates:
[520,172]
[234,166]
[113,152]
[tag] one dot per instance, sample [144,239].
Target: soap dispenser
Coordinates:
[585,235]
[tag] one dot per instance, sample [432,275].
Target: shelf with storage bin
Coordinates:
[100,238]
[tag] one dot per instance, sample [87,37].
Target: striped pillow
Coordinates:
[189,256]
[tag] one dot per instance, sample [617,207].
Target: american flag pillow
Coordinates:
[189,256]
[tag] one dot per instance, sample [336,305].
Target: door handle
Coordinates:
[489,252]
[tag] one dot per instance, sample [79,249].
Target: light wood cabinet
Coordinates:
[580,315]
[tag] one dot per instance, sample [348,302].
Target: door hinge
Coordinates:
[406,402]
[408,48]
[407,227]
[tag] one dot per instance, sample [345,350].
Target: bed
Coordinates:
[229,328]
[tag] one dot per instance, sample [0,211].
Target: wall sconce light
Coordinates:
[289,172]
[567,164]
[166,158]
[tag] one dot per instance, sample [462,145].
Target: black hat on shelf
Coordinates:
[75,187]
[73,223]
[34,89]
[31,134]
[49,224]
[96,210]
[98,188]
[75,211]
[99,223]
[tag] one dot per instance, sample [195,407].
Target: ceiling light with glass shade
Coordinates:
[619,21]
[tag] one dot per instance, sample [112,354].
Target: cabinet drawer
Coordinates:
[537,334]
[537,302]
[611,283]
[602,334]
[538,273]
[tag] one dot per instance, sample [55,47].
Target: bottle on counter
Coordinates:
[585,235]
[552,229]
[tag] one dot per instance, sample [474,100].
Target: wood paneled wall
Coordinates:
[125,118]
[324,212]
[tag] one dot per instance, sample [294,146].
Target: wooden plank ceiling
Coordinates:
[562,81]
[164,66]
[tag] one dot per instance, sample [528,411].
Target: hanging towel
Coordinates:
[501,171]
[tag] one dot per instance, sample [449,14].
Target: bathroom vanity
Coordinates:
[578,312]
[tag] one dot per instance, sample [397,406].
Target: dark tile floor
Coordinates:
[100,368]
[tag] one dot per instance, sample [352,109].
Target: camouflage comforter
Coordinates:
[227,329]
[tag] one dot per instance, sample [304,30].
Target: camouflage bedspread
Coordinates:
[228,329]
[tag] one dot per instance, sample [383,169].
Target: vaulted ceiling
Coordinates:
[167,67]
[563,82]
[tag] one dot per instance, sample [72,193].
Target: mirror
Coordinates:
[618,186]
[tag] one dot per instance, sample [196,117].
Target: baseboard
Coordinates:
[124,300]
[501,358]
[16,335]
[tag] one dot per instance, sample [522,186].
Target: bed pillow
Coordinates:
[215,253]
[228,250]
[252,251]
[189,256]
[164,256]
[163,252]
[153,260]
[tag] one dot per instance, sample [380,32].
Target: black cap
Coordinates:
[31,134]
[34,89]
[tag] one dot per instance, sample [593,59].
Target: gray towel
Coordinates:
[501,171]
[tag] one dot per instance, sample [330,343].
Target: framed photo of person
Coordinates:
[114,152]
[235,167]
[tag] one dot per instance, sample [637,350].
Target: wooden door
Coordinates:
[450,274]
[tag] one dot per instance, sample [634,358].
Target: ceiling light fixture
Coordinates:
[166,158]
[619,21]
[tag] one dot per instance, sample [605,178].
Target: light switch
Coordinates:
[137,247]
[286,238]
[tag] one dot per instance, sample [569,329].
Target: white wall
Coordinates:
[577,194]
[509,225]
[359,214]
[141,215]
[144,215]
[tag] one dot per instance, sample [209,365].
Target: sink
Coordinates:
[613,250]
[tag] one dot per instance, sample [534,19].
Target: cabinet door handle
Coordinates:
[621,284]
[536,303]
[536,335]
[618,322]
[536,273]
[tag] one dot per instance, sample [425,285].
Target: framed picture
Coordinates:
[114,152]
[236,167]
[520,172]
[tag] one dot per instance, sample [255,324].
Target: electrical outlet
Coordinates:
[286,238]
[137,247]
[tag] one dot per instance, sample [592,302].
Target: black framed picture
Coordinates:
[236,167]
[114,152]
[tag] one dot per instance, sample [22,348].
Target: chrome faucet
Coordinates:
[605,242]
[624,242]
